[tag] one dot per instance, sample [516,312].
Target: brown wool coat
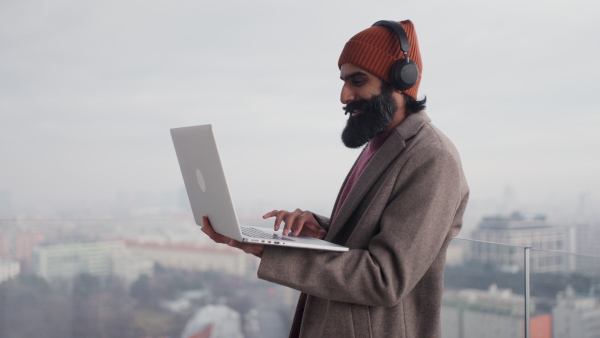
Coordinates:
[398,220]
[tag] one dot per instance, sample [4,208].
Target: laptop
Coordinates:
[209,195]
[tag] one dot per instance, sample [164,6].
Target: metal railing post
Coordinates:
[527,291]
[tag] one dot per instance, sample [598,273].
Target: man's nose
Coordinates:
[347,95]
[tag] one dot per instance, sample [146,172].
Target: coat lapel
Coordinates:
[391,148]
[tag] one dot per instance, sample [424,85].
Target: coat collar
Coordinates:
[391,148]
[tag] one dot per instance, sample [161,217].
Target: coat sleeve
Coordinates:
[412,229]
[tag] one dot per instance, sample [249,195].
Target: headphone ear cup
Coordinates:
[404,74]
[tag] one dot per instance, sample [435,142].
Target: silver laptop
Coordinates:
[207,190]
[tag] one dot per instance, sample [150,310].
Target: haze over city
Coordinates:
[89,90]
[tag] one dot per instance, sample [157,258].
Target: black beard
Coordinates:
[377,114]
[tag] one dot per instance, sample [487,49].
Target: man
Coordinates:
[397,211]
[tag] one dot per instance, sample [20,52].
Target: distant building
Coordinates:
[67,260]
[5,246]
[588,238]
[128,266]
[495,313]
[576,316]
[101,259]
[9,270]
[214,321]
[195,257]
[587,241]
[18,245]
[24,244]
[518,231]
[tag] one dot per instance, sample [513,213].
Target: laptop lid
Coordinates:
[204,178]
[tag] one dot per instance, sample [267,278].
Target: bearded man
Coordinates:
[398,209]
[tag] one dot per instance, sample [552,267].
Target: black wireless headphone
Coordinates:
[404,72]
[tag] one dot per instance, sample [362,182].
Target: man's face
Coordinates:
[370,103]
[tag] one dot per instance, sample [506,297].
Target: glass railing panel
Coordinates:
[484,290]
[565,289]
[152,277]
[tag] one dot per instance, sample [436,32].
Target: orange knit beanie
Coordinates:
[377,48]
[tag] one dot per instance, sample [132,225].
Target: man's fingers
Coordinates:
[205,221]
[291,223]
[270,214]
[289,220]
[207,227]
[254,249]
[234,243]
[208,230]
[295,222]
[298,224]
[306,225]
[280,215]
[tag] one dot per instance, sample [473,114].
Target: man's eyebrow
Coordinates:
[353,75]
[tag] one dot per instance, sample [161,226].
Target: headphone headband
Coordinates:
[397,28]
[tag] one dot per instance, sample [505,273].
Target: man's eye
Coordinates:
[358,82]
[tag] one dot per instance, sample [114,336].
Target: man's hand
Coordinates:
[297,223]
[255,249]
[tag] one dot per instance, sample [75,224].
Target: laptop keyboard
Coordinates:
[253,232]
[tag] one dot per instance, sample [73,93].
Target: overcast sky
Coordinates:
[89,90]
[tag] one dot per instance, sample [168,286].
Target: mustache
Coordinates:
[356,105]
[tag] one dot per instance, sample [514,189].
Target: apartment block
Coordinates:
[517,231]
[195,257]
